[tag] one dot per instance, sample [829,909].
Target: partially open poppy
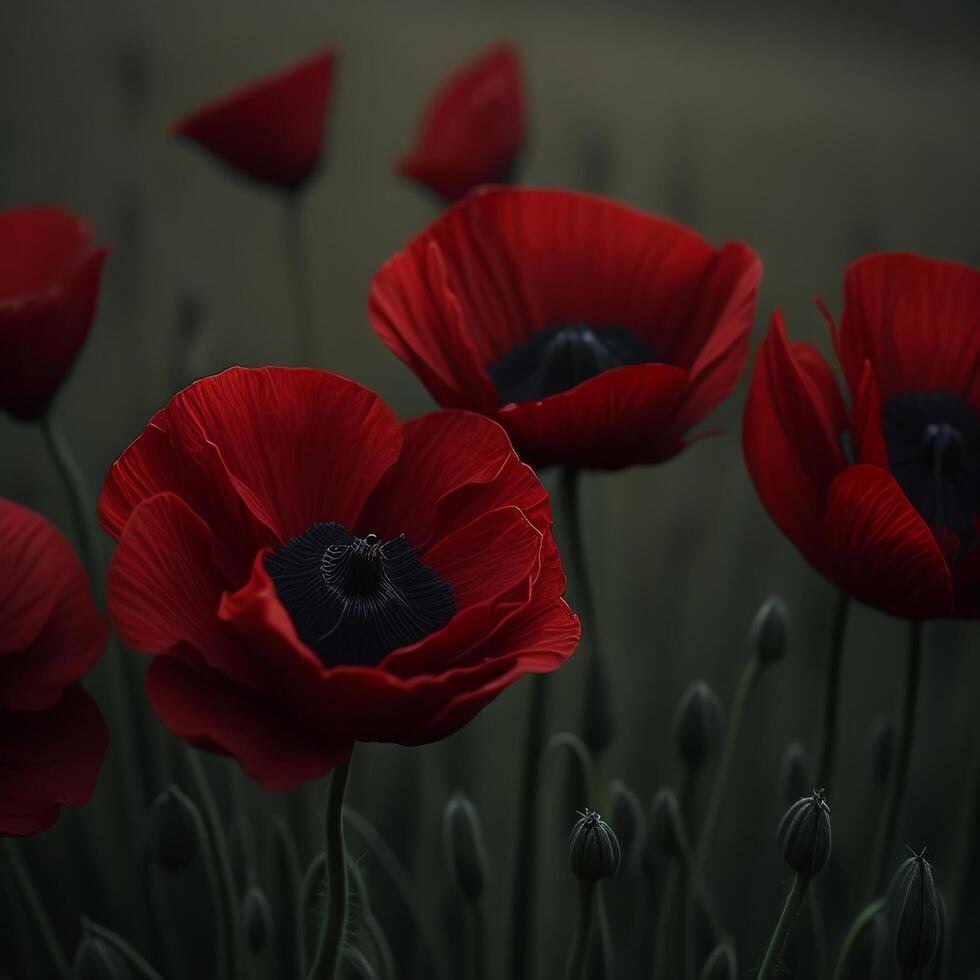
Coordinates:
[314,573]
[271,129]
[50,270]
[881,496]
[52,736]
[474,129]
[595,334]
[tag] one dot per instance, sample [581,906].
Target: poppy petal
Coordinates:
[881,550]
[868,439]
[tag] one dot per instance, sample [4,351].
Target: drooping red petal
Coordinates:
[474,128]
[915,320]
[50,631]
[880,549]
[213,712]
[273,128]
[50,759]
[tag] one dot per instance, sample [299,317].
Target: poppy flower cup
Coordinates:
[475,128]
[595,334]
[50,272]
[882,496]
[52,736]
[310,572]
[272,129]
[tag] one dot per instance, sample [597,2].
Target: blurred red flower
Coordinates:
[882,496]
[273,128]
[50,271]
[595,334]
[311,572]
[52,736]
[474,129]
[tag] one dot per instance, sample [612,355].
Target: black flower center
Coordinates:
[933,440]
[354,600]
[560,357]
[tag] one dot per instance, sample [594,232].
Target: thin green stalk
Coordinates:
[478,941]
[597,722]
[288,893]
[885,837]
[222,861]
[791,911]
[124,949]
[35,909]
[525,865]
[326,963]
[298,268]
[865,917]
[605,937]
[311,880]
[965,841]
[578,959]
[831,701]
[666,925]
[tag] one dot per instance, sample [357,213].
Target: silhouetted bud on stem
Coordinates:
[171,831]
[882,749]
[257,917]
[770,631]
[593,849]
[667,825]
[466,853]
[698,724]
[915,912]
[97,960]
[794,773]
[804,835]
[720,965]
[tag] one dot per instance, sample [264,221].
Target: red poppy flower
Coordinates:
[50,272]
[52,736]
[881,496]
[311,572]
[474,128]
[271,129]
[596,335]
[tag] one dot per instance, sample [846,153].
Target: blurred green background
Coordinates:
[814,132]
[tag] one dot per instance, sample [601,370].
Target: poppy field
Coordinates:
[488,494]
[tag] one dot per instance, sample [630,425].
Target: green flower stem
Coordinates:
[522,900]
[888,824]
[865,917]
[311,882]
[222,863]
[298,269]
[605,937]
[831,701]
[124,949]
[478,941]
[578,959]
[597,731]
[326,963]
[791,911]
[32,904]
[667,925]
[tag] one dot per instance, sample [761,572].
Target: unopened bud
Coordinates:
[172,830]
[257,918]
[770,631]
[720,965]
[466,853]
[804,834]
[97,960]
[915,912]
[593,849]
[794,774]
[698,724]
[667,825]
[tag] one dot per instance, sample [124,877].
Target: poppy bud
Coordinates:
[916,913]
[97,960]
[794,773]
[770,631]
[466,853]
[593,849]
[720,965]
[882,747]
[171,832]
[698,724]
[804,834]
[257,917]
[667,825]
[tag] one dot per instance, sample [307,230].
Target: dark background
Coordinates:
[815,132]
